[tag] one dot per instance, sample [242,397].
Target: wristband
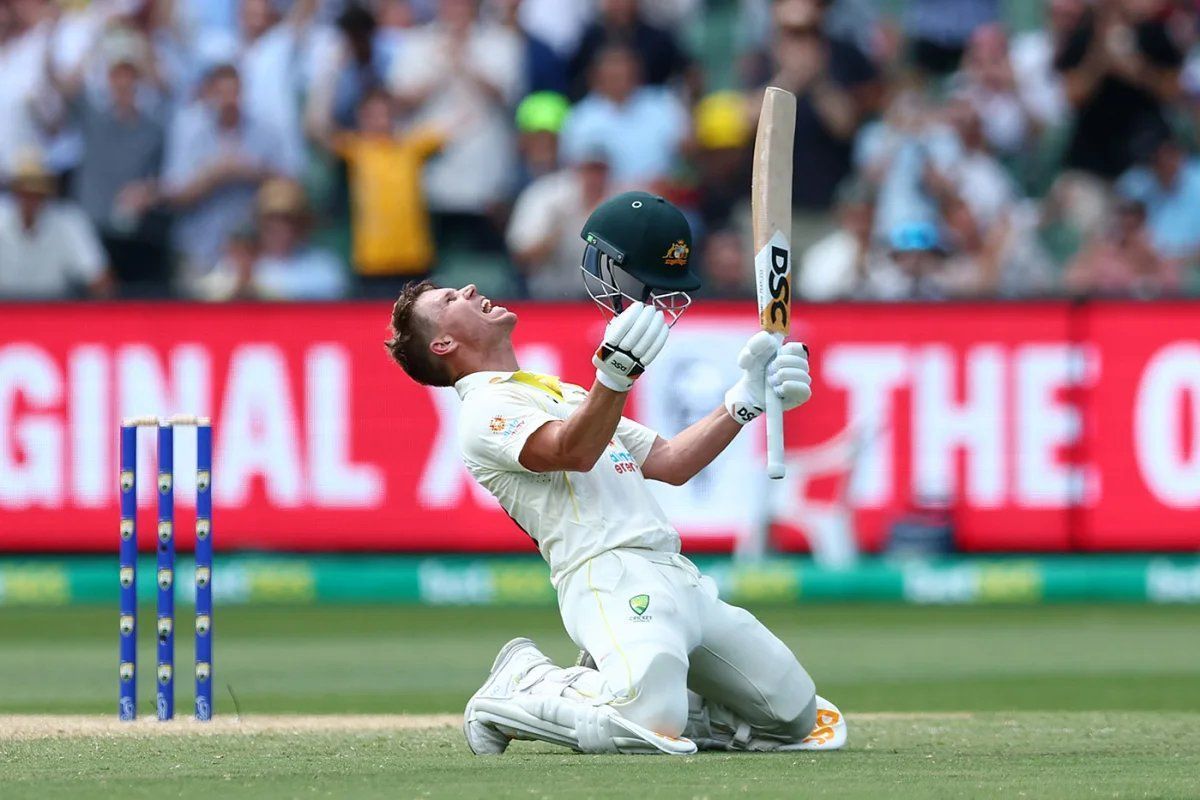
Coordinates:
[612,382]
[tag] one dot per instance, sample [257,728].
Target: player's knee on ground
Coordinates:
[794,708]
[795,730]
[658,696]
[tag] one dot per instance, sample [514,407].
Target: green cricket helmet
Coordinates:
[639,249]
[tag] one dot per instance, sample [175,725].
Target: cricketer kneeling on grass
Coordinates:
[667,665]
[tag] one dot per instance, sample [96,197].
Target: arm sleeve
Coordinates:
[493,427]
[427,140]
[637,438]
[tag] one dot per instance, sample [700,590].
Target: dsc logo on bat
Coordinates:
[779,285]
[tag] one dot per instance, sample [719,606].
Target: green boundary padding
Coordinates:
[414,580]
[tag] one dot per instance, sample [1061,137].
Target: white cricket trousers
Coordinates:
[656,628]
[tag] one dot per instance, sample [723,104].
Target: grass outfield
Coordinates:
[1067,701]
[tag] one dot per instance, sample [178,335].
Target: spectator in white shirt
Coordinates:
[277,261]
[216,158]
[897,152]
[23,41]
[116,180]
[48,249]
[643,128]
[278,57]
[464,74]
[835,267]
[988,81]
[289,265]
[993,230]
[543,234]
[1032,56]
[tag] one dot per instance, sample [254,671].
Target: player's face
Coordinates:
[466,315]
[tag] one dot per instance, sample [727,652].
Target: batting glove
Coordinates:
[631,341]
[784,366]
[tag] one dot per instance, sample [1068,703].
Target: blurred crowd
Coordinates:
[321,149]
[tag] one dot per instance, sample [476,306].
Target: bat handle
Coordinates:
[776,467]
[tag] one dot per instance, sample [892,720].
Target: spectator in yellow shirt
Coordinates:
[391,238]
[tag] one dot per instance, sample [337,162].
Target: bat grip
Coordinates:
[776,468]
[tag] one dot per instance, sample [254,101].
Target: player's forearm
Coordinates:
[576,443]
[677,460]
[631,341]
[584,435]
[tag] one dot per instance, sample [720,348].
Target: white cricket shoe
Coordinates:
[514,660]
[830,731]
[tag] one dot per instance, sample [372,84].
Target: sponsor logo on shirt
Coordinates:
[504,427]
[622,460]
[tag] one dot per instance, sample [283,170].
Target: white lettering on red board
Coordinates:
[1170,388]
[58,424]
[1001,411]
[989,424]
[31,442]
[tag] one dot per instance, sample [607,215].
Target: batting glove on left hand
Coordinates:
[631,341]
[787,374]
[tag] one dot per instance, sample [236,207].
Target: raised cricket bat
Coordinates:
[771,210]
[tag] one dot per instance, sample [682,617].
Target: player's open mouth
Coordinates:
[486,307]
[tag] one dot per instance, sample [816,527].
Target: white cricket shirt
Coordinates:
[573,516]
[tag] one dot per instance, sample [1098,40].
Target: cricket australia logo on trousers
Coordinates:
[639,603]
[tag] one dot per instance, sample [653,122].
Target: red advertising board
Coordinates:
[1143,426]
[1045,426]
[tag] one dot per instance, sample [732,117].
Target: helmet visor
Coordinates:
[613,290]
